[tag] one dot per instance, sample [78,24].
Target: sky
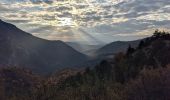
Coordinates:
[88,21]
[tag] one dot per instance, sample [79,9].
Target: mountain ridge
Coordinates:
[19,48]
[117,46]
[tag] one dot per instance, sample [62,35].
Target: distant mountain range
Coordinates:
[101,50]
[108,51]
[21,49]
[18,48]
[85,48]
[115,47]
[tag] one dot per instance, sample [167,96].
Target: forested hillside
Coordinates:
[141,73]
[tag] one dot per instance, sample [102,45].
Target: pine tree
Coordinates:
[130,50]
[141,44]
[157,33]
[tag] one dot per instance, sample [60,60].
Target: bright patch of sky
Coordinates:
[87,21]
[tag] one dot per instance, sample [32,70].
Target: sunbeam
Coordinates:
[109,15]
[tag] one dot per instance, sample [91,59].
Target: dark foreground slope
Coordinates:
[18,48]
[142,73]
[18,84]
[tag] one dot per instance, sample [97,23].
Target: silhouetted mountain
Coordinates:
[108,51]
[18,48]
[115,47]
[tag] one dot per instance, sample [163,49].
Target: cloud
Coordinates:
[54,19]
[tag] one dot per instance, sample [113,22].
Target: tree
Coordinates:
[104,70]
[157,33]
[87,70]
[119,67]
[141,44]
[150,85]
[130,50]
[2,90]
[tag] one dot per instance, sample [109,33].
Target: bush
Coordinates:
[150,85]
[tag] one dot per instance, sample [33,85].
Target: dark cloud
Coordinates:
[63,8]
[41,1]
[65,14]
[133,8]
[18,21]
[130,26]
